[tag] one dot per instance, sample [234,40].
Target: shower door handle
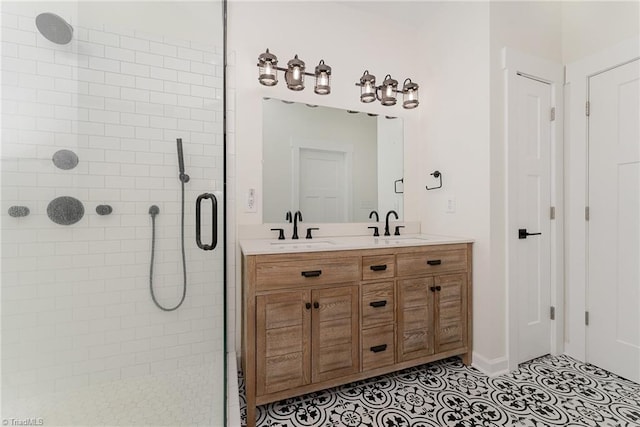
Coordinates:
[214,221]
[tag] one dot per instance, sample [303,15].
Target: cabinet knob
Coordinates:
[316,304]
[307,305]
[432,288]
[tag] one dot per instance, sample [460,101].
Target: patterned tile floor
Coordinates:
[549,391]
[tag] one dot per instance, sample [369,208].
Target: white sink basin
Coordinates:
[301,244]
[399,240]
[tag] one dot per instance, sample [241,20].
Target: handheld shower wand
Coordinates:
[183,176]
[153,212]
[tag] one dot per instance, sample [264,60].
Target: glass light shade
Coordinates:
[323,79]
[367,87]
[295,74]
[389,88]
[267,72]
[409,94]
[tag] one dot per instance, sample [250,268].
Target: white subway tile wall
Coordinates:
[76,308]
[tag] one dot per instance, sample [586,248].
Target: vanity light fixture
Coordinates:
[293,74]
[387,92]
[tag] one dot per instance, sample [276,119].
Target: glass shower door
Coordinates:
[112,157]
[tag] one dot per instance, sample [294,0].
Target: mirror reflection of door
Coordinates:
[324,181]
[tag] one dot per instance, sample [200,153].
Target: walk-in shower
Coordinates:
[93,116]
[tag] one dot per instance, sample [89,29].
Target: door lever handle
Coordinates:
[522,233]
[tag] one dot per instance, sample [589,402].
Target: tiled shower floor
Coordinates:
[182,397]
[549,391]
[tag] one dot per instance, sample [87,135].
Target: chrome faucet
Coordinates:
[298,217]
[386,222]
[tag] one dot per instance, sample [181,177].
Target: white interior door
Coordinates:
[613,295]
[323,181]
[534,200]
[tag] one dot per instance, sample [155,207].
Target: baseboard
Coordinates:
[490,367]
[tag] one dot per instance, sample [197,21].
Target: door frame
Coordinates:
[346,149]
[515,64]
[576,185]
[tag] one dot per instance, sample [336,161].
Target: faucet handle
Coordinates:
[287,217]
[281,234]
[375,231]
[309,236]
[397,232]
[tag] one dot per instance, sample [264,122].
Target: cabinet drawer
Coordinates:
[378,267]
[307,272]
[378,304]
[378,347]
[431,261]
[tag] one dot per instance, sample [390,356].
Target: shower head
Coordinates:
[54,28]
[183,176]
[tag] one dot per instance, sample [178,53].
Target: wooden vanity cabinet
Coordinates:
[434,302]
[320,319]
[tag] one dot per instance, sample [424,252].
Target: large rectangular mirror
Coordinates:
[333,165]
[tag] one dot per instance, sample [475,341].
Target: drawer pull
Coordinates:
[378,267]
[378,303]
[312,273]
[378,348]
[434,262]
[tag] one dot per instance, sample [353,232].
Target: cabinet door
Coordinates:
[282,341]
[415,318]
[451,312]
[335,342]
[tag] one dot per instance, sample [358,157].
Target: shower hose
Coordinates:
[153,211]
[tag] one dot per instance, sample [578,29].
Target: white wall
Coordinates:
[454,46]
[118,98]
[589,27]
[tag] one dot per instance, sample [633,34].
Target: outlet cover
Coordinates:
[250,205]
[450,204]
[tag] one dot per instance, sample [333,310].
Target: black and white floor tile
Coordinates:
[549,391]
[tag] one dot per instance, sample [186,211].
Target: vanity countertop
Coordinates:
[317,244]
